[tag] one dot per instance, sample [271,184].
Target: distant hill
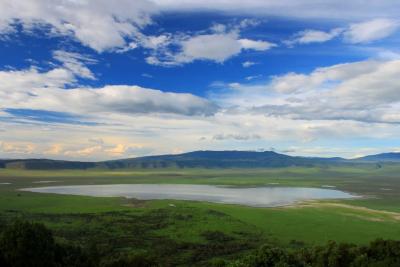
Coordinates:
[384,157]
[44,164]
[196,159]
[210,159]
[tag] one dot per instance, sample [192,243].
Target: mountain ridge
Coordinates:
[197,159]
[383,157]
[194,159]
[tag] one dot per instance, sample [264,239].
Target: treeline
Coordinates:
[379,253]
[26,244]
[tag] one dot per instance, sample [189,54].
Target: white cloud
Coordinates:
[5,28]
[75,63]
[84,150]
[218,28]
[114,99]
[112,151]
[252,77]
[255,45]
[128,47]
[216,47]
[365,91]
[248,64]
[32,78]
[128,121]
[99,24]
[144,134]
[146,75]
[104,25]
[153,60]
[317,9]
[44,90]
[239,137]
[17,147]
[155,42]
[31,89]
[364,32]
[234,85]
[313,36]
[220,45]
[371,30]
[294,82]
[387,54]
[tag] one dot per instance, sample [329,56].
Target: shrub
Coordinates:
[27,244]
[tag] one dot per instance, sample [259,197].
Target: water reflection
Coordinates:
[255,196]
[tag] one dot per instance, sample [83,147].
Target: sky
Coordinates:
[96,79]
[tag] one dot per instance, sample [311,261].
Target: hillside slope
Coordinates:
[196,159]
[383,157]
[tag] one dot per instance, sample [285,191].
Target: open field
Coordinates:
[197,229]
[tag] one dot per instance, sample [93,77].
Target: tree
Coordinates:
[334,255]
[3,262]
[25,244]
[131,260]
[269,256]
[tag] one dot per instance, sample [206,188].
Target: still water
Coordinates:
[254,196]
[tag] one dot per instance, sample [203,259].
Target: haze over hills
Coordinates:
[383,157]
[198,159]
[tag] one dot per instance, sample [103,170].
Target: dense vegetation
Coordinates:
[113,235]
[25,244]
[377,253]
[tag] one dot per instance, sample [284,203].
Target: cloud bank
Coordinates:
[99,24]
[365,91]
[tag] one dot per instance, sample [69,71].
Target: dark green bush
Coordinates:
[26,244]
[130,260]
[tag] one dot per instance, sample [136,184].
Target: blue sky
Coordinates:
[91,80]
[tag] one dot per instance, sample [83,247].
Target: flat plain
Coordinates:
[195,228]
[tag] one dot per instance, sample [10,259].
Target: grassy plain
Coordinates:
[196,229]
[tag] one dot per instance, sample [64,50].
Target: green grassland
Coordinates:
[198,229]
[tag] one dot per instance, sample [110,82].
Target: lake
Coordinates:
[250,196]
